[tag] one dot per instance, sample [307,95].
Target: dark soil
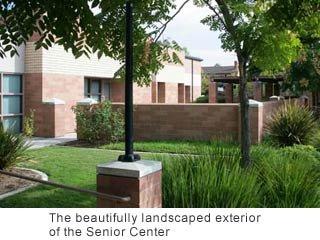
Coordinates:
[8,184]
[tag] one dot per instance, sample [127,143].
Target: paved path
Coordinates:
[46,142]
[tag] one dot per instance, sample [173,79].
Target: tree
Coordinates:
[76,27]
[246,28]
[304,74]
[303,17]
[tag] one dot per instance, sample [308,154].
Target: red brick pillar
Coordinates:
[229,92]
[269,90]
[53,112]
[181,93]
[187,93]
[256,121]
[257,91]
[154,92]
[212,92]
[161,92]
[277,90]
[141,181]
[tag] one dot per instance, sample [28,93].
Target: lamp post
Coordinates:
[129,154]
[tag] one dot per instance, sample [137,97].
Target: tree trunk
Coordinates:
[244,114]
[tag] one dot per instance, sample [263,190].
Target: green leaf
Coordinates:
[7,48]
[50,36]
[100,53]
[95,3]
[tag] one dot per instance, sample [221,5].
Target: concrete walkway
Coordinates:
[38,142]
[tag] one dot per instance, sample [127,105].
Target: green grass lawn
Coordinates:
[76,166]
[68,165]
[178,147]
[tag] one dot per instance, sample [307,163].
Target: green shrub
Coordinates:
[287,177]
[291,124]
[99,123]
[29,124]
[202,99]
[12,148]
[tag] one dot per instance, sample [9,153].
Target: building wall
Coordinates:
[194,80]
[55,73]
[68,88]
[171,74]
[57,61]
[15,64]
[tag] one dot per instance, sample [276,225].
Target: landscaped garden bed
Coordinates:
[286,177]
[285,173]
[11,184]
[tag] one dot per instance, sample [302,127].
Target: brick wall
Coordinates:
[198,121]
[188,121]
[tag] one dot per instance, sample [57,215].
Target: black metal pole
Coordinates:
[129,155]
[192,78]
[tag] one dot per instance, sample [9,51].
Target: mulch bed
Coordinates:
[9,184]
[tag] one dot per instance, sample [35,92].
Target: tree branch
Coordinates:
[165,25]
[216,13]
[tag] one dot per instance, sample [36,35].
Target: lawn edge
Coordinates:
[43,176]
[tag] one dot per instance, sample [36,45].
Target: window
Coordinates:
[98,89]
[11,102]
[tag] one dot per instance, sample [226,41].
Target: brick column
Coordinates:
[277,91]
[257,91]
[256,121]
[154,92]
[181,94]
[161,92]
[212,92]
[53,113]
[269,90]
[141,181]
[229,92]
[187,93]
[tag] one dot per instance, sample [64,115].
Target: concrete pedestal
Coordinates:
[139,180]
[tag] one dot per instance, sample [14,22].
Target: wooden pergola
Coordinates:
[236,79]
[264,87]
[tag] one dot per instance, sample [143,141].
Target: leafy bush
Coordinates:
[99,123]
[279,178]
[202,99]
[291,124]
[29,124]
[12,148]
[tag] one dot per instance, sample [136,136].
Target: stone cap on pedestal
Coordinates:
[54,101]
[254,103]
[136,169]
[87,102]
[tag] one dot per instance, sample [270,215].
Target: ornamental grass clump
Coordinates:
[291,124]
[287,178]
[12,148]
[212,180]
[290,178]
